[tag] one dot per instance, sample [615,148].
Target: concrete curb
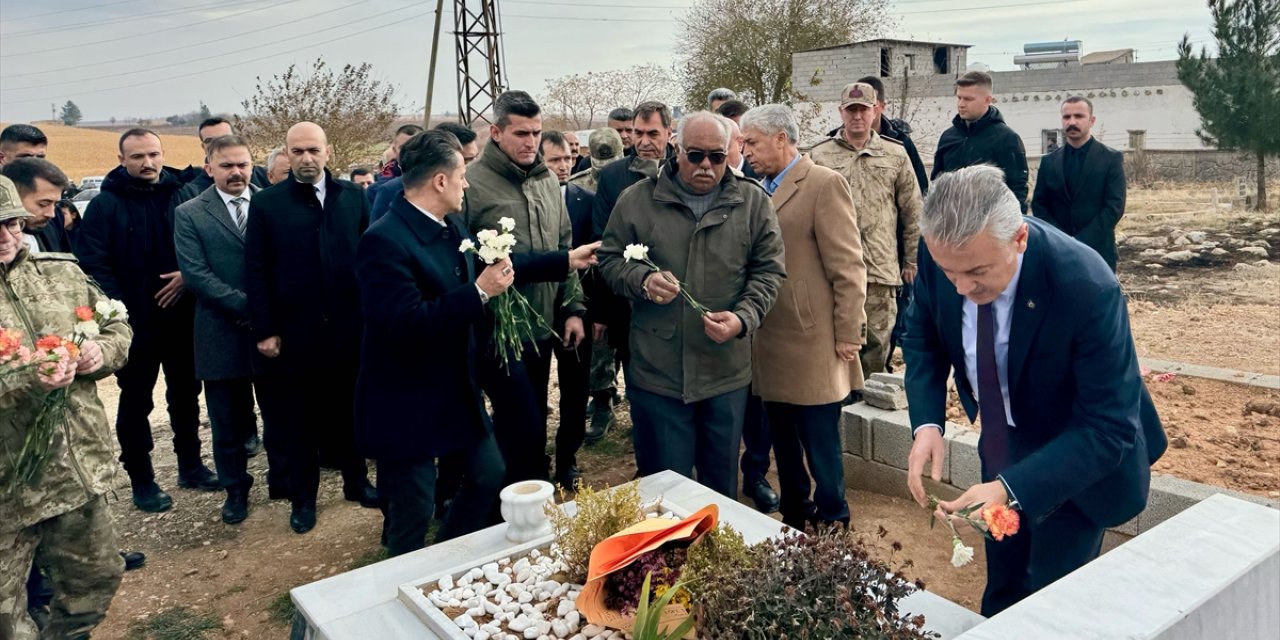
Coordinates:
[1247,378]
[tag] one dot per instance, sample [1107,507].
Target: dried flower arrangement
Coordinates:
[599,515]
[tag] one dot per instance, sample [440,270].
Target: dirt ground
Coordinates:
[204,579]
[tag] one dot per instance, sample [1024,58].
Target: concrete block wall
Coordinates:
[876,443]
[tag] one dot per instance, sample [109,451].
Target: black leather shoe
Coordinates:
[253,446]
[568,477]
[198,477]
[151,499]
[762,494]
[133,559]
[365,494]
[601,421]
[303,518]
[236,507]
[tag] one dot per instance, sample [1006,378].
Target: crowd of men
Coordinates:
[344,310]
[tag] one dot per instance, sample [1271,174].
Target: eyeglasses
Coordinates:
[14,225]
[696,156]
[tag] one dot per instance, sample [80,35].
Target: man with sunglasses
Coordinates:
[717,238]
[886,198]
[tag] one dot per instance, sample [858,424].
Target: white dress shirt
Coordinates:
[319,189]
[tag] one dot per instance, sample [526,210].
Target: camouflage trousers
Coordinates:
[604,370]
[882,312]
[80,553]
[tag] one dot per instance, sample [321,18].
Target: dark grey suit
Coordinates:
[210,250]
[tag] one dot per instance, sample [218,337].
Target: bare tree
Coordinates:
[746,45]
[582,100]
[355,110]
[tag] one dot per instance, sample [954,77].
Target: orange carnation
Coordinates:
[10,342]
[1001,521]
[84,313]
[48,343]
[73,349]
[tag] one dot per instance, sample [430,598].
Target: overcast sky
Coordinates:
[149,58]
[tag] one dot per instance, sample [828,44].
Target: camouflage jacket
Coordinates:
[39,297]
[886,200]
[587,179]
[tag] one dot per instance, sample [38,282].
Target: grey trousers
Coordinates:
[702,435]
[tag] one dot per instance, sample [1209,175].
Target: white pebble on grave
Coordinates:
[464,621]
[573,618]
[593,630]
[564,608]
[481,634]
[445,583]
[559,628]
[531,633]
[519,624]
[524,597]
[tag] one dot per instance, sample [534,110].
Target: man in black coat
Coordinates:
[126,245]
[978,135]
[304,308]
[196,176]
[418,394]
[1080,188]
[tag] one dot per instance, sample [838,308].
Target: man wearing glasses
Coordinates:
[716,236]
[887,201]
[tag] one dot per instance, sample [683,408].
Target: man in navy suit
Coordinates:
[418,391]
[1036,328]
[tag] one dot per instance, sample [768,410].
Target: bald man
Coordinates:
[304,308]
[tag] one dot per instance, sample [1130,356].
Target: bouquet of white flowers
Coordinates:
[640,253]
[514,318]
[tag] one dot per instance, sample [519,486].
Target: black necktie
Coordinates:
[994,441]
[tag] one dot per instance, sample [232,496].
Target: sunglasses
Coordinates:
[696,157]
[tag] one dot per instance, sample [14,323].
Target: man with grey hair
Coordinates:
[716,238]
[887,200]
[806,351]
[277,165]
[718,97]
[1035,326]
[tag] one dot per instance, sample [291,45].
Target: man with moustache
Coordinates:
[414,282]
[717,235]
[126,245]
[510,180]
[581,161]
[209,237]
[300,244]
[1080,188]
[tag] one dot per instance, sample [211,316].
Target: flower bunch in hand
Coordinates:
[56,360]
[13,354]
[514,318]
[640,253]
[994,522]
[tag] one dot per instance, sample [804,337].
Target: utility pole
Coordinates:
[477,39]
[53,111]
[431,72]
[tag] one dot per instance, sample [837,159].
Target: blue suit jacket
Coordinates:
[418,393]
[1087,431]
[381,195]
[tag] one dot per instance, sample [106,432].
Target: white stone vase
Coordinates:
[522,509]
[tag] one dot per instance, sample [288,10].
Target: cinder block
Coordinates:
[1169,496]
[891,438]
[892,379]
[962,451]
[855,428]
[883,395]
[861,474]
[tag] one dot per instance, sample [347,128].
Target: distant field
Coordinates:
[88,152]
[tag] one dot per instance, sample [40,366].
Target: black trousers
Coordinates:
[756,441]
[1038,555]
[573,369]
[520,410]
[407,489]
[808,433]
[165,341]
[230,407]
[706,434]
[312,411]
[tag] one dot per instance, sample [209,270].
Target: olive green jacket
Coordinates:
[38,296]
[500,189]
[731,260]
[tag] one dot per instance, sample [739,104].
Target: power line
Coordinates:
[180,63]
[148,33]
[62,11]
[133,18]
[193,74]
[999,6]
[189,46]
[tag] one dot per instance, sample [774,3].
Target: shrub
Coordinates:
[599,515]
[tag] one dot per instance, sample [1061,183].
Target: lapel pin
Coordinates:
[1031,304]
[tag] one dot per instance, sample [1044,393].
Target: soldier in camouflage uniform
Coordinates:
[61,519]
[606,147]
[887,201]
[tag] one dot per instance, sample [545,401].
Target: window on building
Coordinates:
[941,59]
[885,69]
[910,60]
[1050,140]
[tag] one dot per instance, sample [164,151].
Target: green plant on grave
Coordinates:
[720,550]
[800,587]
[649,616]
[599,515]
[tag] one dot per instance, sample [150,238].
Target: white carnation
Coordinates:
[86,328]
[467,246]
[505,240]
[507,224]
[486,235]
[635,252]
[960,554]
[490,254]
